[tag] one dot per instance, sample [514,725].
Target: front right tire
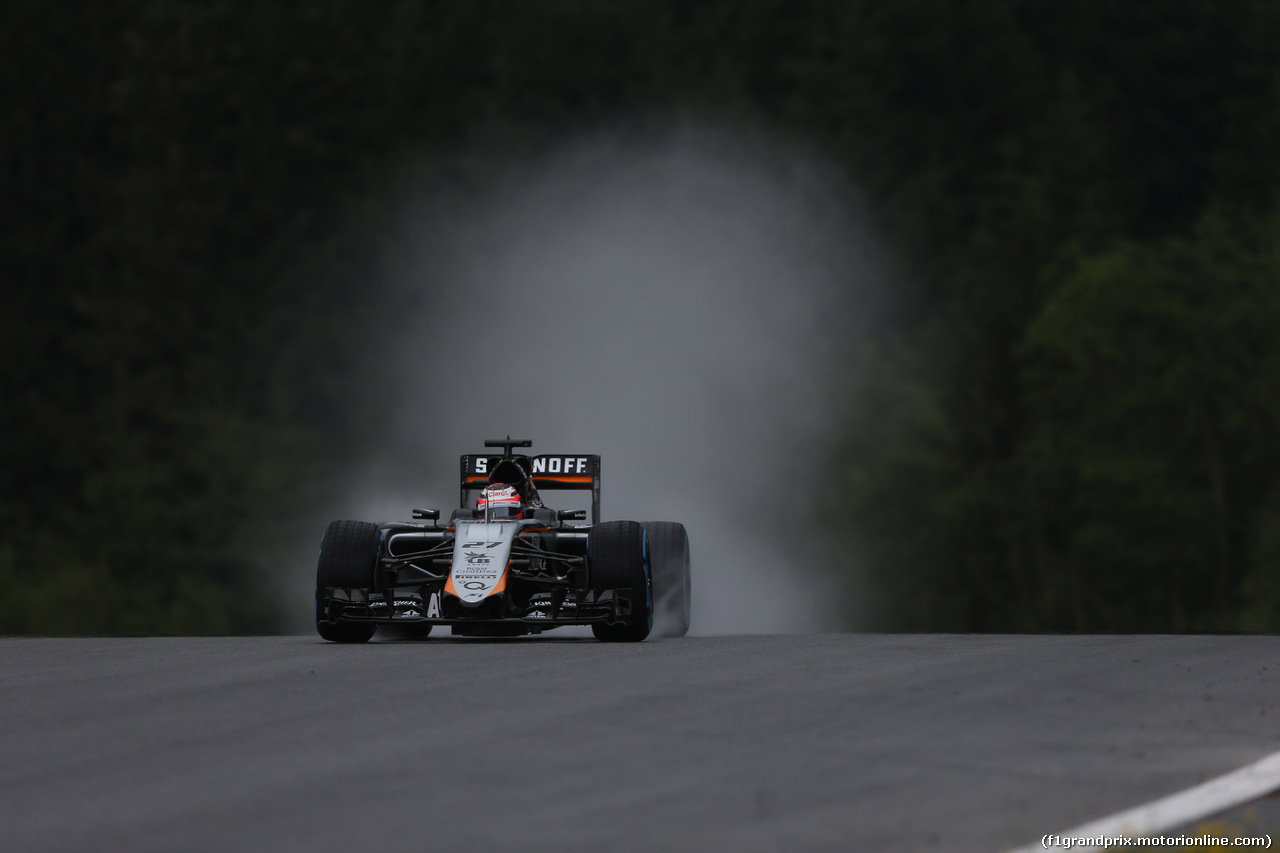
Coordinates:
[348,558]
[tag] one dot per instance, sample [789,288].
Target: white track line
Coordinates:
[1233,789]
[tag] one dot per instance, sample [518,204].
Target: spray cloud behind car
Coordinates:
[676,303]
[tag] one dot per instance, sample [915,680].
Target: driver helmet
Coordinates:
[499,500]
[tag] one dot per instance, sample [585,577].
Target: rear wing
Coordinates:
[548,473]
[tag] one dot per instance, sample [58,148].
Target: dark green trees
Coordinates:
[1077,430]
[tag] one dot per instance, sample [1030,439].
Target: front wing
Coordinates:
[538,609]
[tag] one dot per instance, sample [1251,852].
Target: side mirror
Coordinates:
[571,514]
[429,514]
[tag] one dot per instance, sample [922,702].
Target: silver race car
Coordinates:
[506,564]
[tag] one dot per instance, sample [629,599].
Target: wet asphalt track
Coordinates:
[830,742]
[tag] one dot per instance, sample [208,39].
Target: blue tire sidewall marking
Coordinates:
[648,576]
[319,554]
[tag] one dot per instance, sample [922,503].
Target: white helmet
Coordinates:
[499,500]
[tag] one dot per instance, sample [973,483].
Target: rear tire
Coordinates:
[348,558]
[618,558]
[672,580]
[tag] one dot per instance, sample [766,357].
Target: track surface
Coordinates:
[831,742]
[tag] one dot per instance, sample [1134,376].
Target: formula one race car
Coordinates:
[507,565]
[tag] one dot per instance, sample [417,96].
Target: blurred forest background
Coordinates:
[1069,419]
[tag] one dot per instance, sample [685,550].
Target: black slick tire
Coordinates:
[672,579]
[618,558]
[348,557]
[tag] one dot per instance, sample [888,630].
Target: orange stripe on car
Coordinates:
[502,581]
